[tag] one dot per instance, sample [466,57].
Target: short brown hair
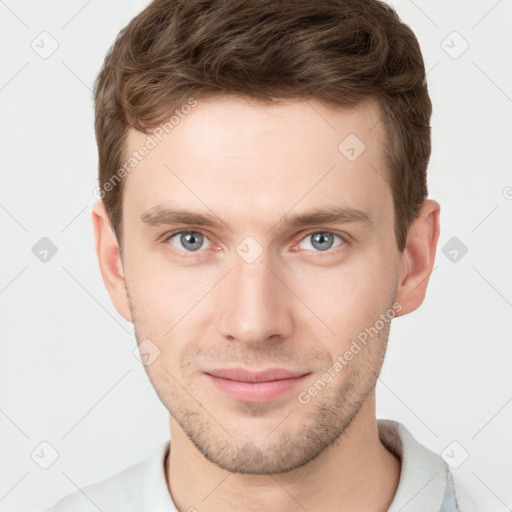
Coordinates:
[340,52]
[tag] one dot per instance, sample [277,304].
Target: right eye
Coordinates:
[187,241]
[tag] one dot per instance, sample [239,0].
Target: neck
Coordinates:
[356,473]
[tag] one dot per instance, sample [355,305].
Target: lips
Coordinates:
[255,386]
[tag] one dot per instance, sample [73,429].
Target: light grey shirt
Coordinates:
[426,482]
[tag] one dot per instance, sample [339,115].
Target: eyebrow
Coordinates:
[161,216]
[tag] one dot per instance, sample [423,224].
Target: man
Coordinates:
[263,216]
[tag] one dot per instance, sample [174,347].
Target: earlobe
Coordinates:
[109,259]
[418,257]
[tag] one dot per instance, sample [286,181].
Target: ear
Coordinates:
[109,259]
[418,257]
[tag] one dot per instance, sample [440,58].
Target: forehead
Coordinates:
[256,161]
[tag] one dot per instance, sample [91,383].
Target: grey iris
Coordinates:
[322,241]
[191,240]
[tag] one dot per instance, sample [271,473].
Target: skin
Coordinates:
[296,306]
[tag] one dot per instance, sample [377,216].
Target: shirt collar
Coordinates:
[423,475]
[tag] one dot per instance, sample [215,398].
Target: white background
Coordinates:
[68,375]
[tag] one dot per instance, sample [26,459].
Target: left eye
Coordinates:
[321,241]
[188,240]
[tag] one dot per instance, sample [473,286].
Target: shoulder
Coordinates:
[115,492]
[127,490]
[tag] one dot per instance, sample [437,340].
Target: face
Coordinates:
[258,252]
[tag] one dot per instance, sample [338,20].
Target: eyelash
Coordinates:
[191,254]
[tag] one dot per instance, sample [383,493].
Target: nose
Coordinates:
[255,304]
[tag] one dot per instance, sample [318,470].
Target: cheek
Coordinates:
[347,298]
[171,304]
